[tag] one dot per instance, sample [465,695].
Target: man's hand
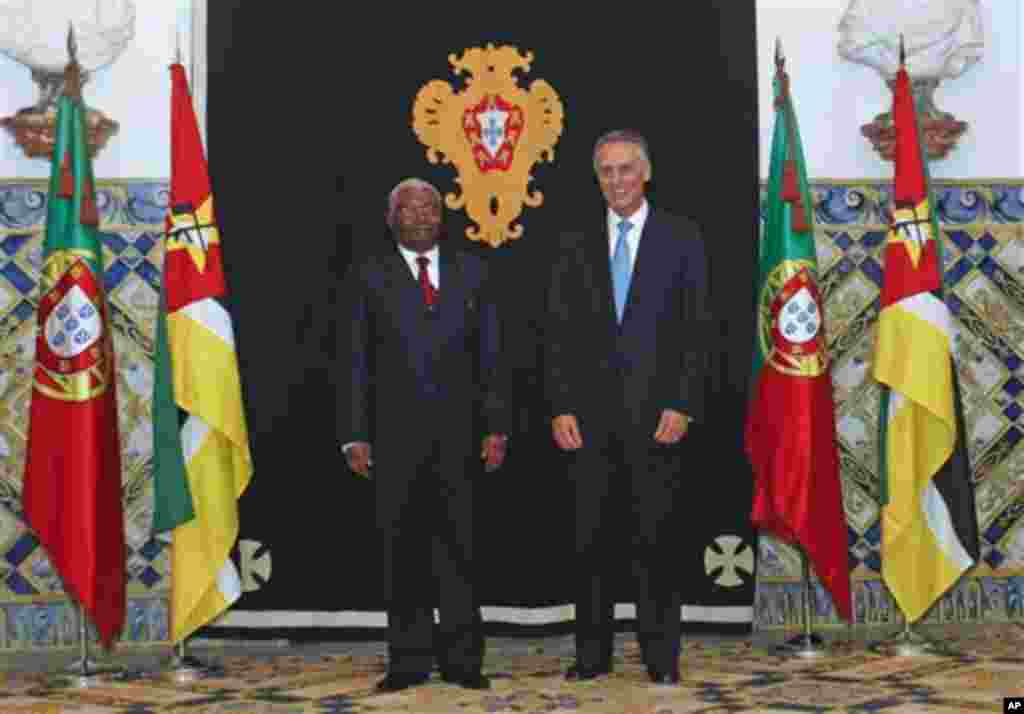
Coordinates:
[672,427]
[358,458]
[566,432]
[492,451]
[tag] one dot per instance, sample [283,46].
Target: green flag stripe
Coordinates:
[172,497]
[778,242]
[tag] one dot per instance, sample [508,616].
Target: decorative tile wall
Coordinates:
[983,247]
[34,612]
[982,226]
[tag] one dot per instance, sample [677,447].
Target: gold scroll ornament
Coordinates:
[493,132]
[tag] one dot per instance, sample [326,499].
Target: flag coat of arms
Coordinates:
[202,461]
[72,484]
[929,523]
[790,434]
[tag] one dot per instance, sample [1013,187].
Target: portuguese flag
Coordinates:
[929,522]
[202,462]
[791,431]
[72,485]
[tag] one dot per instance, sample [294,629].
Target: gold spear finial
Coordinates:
[72,44]
[780,74]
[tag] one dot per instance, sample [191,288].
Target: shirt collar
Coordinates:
[411,255]
[637,220]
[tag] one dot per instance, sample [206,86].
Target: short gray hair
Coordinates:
[405,184]
[624,136]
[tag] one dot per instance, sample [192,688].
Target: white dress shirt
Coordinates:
[433,271]
[637,221]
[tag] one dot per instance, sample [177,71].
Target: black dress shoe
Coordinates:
[664,678]
[467,681]
[577,673]
[397,681]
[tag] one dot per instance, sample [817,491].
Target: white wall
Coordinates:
[834,97]
[134,91]
[1020,81]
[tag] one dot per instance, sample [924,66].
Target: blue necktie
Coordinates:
[621,269]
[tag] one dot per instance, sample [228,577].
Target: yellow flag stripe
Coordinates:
[201,548]
[920,561]
[206,381]
[218,467]
[914,359]
[212,315]
[922,557]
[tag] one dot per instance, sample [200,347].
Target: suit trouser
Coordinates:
[439,574]
[623,520]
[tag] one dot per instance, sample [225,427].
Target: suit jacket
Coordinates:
[658,357]
[412,380]
[400,361]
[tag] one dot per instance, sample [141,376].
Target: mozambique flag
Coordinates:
[791,429]
[201,453]
[72,487]
[929,525]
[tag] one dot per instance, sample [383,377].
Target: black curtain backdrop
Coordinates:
[309,128]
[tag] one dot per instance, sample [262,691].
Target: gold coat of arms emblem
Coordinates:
[493,132]
[791,322]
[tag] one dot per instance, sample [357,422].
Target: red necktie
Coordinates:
[429,293]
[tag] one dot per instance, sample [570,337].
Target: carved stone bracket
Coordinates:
[940,130]
[36,132]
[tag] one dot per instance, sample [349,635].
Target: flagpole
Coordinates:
[932,646]
[789,241]
[909,643]
[181,667]
[86,672]
[807,645]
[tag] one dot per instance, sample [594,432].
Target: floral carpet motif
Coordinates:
[734,676]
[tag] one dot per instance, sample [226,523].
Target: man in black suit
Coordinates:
[625,355]
[418,376]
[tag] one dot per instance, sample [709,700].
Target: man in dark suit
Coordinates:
[625,359]
[418,375]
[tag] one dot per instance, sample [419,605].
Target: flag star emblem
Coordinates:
[912,228]
[193,236]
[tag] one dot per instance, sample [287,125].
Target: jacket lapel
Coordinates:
[453,291]
[645,266]
[401,277]
[598,255]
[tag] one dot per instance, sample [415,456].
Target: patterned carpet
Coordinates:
[736,676]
